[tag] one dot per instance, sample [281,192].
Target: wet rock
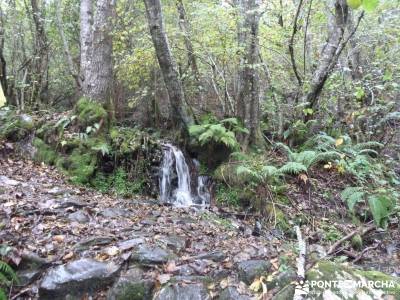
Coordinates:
[76,278]
[216,256]
[78,216]
[129,244]
[132,286]
[28,276]
[114,212]
[151,255]
[185,270]
[174,242]
[183,292]
[231,293]
[250,269]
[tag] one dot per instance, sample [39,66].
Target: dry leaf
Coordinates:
[163,278]
[58,238]
[111,251]
[338,142]
[256,285]
[68,256]
[303,177]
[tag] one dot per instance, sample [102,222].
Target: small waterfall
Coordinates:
[175,183]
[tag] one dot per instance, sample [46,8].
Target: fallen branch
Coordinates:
[333,248]
[301,289]
[359,257]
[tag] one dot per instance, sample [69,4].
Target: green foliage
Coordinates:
[381,202]
[81,165]
[227,196]
[222,132]
[44,153]
[90,114]
[7,277]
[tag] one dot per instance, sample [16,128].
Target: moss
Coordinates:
[132,291]
[81,165]
[44,153]
[357,242]
[90,113]
[16,127]
[382,277]
[277,216]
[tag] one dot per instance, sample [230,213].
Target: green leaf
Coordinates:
[370,5]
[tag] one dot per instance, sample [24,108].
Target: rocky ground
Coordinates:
[67,241]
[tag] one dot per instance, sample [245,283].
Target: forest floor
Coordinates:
[47,222]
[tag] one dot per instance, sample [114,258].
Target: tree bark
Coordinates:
[180,115]
[41,57]
[99,78]
[86,23]
[248,101]
[336,28]
[3,69]
[67,52]
[192,61]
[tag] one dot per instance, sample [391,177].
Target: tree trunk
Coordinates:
[180,115]
[354,51]
[3,69]
[248,101]
[86,23]
[41,57]
[192,61]
[68,56]
[336,27]
[99,78]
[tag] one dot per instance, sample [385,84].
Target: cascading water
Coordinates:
[175,180]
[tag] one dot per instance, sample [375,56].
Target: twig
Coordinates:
[359,257]
[301,289]
[291,42]
[347,237]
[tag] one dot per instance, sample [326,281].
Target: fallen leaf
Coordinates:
[163,278]
[68,256]
[338,142]
[58,238]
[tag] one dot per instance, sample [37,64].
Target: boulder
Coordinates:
[151,255]
[195,291]
[78,216]
[131,286]
[250,269]
[231,293]
[77,278]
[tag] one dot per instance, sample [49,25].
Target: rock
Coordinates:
[129,244]
[231,293]
[148,222]
[31,261]
[78,216]
[286,293]
[151,255]
[114,212]
[174,242]
[27,276]
[92,241]
[282,279]
[57,191]
[216,256]
[329,280]
[4,181]
[195,291]
[131,286]
[250,269]
[71,201]
[77,278]
[185,270]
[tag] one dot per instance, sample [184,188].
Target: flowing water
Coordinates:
[175,180]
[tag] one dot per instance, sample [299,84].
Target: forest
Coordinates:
[200,149]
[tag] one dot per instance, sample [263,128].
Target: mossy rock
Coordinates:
[226,173]
[81,165]
[329,280]
[276,215]
[44,153]
[14,127]
[90,113]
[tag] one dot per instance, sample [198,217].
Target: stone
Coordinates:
[216,256]
[71,202]
[352,283]
[77,278]
[92,241]
[282,279]
[114,212]
[231,293]
[250,269]
[174,242]
[131,286]
[286,293]
[129,244]
[151,255]
[195,291]
[28,276]
[4,181]
[78,216]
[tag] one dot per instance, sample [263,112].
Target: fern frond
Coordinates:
[368,145]
[284,147]
[327,156]
[352,195]
[305,158]
[293,168]
[269,171]
[7,274]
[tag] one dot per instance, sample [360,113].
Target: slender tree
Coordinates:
[86,23]
[248,99]
[180,114]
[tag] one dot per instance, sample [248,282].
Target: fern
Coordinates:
[293,168]
[7,277]
[368,145]
[352,195]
